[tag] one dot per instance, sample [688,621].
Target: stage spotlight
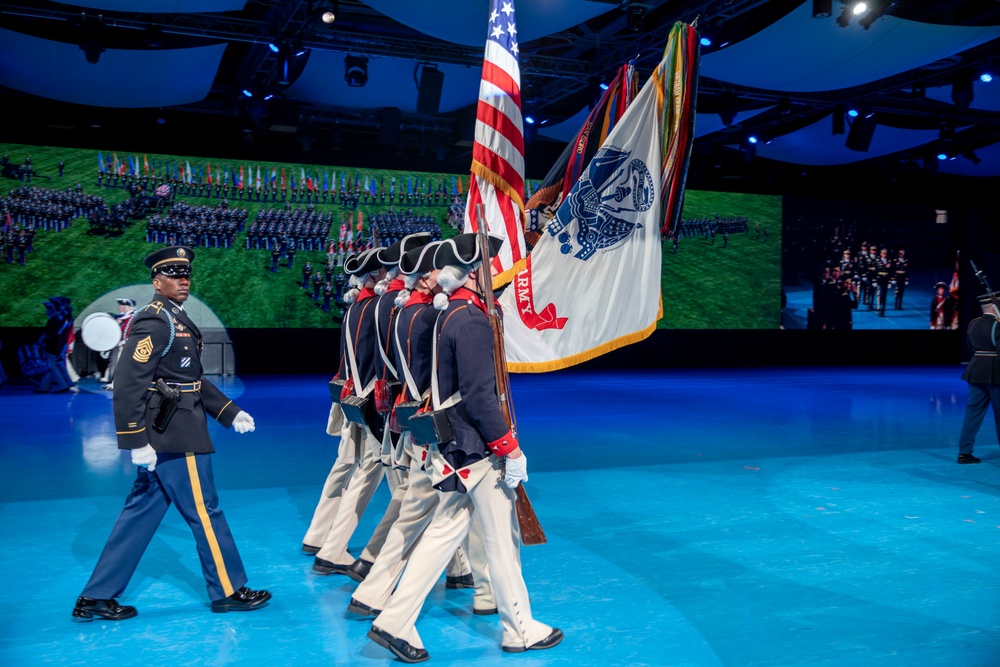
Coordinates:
[247,93]
[635,15]
[705,41]
[822,9]
[530,120]
[274,46]
[961,91]
[92,51]
[838,119]
[971,156]
[942,156]
[986,77]
[327,11]
[356,71]
[752,139]
[853,113]
[859,138]
[604,86]
[859,8]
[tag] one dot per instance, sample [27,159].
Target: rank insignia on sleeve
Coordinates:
[143,350]
[157,305]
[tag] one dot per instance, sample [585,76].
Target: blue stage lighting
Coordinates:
[752,139]
[985,77]
[942,156]
[247,93]
[530,120]
[274,47]
[853,113]
[604,86]
[706,41]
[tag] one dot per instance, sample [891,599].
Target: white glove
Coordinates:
[517,471]
[243,422]
[145,457]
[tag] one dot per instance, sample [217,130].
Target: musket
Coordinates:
[982,279]
[531,528]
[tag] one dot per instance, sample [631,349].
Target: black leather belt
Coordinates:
[185,387]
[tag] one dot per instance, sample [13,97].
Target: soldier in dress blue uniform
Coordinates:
[476,472]
[983,376]
[172,455]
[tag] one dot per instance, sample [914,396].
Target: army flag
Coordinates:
[592,283]
[497,180]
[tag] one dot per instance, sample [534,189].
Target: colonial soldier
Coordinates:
[411,340]
[983,376]
[161,399]
[942,308]
[902,265]
[475,473]
[386,377]
[358,469]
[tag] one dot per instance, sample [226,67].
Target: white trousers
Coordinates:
[361,485]
[417,504]
[493,503]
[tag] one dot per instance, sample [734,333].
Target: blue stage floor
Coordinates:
[695,518]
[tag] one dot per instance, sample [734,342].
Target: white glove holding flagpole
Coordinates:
[243,423]
[516,471]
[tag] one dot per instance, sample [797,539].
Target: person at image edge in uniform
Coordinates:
[173,458]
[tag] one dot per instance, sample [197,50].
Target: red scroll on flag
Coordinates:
[497,181]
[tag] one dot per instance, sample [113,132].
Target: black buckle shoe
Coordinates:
[968,458]
[400,648]
[359,569]
[86,609]
[463,581]
[361,609]
[242,600]
[309,549]
[325,567]
[554,638]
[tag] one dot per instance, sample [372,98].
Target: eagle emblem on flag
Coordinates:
[603,208]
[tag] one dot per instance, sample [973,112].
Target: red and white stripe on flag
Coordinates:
[497,181]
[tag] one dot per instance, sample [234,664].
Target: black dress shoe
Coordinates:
[554,638]
[484,612]
[464,581]
[400,648]
[325,567]
[86,609]
[968,458]
[242,600]
[359,569]
[309,549]
[361,609]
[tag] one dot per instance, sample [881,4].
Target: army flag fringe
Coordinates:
[592,283]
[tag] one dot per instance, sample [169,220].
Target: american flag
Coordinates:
[497,180]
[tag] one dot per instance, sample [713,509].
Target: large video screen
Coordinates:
[82,220]
[869,265]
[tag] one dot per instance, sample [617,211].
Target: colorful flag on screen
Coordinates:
[592,283]
[497,181]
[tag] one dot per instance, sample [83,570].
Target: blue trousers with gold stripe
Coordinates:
[185,480]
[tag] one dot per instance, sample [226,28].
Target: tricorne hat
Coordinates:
[363,262]
[463,250]
[174,262]
[418,260]
[390,256]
